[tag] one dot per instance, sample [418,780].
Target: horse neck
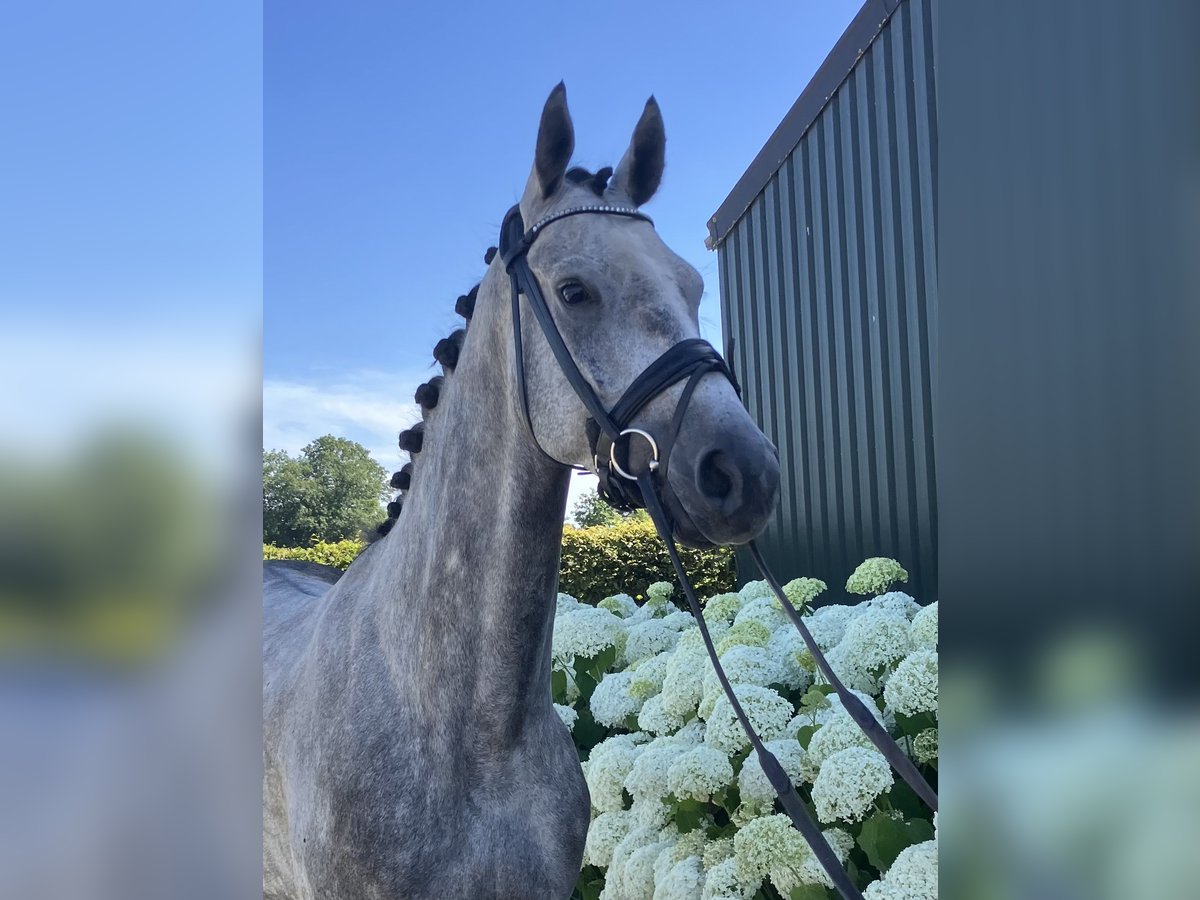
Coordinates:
[469,575]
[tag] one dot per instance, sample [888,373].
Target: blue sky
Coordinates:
[130,221]
[347,163]
[396,135]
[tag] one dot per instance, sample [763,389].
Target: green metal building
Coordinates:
[828,278]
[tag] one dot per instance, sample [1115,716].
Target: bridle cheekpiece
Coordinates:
[608,430]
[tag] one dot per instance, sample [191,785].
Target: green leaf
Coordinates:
[728,798]
[905,799]
[882,837]
[586,684]
[602,662]
[804,734]
[558,686]
[590,884]
[810,892]
[690,814]
[587,732]
[914,725]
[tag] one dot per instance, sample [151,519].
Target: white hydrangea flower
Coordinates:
[650,812]
[873,641]
[913,687]
[838,733]
[925,746]
[724,882]
[770,846]
[764,610]
[682,685]
[913,876]
[810,871]
[752,780]
[566,603]
[743,665]
[699,773]
[828,624]
[722,608]
[568,715]
[693,642]
[924,628]
[630,875]
[749,633]
[655,719]
[691,734]
[620,605]
[683,881]
[648,675]
[752,590]
[606,830]
[649,638]
[785,648]
[848,665]
[585,632]
[679,620]
[611,701]
[665,859]
[660,592]
[607,767]
[716,852]
[802,591]
[877,638]
[768,712]
[875,575]
[648,777]
[849,782]
[893,601]
[693,843]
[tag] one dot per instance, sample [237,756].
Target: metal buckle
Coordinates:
[612,453]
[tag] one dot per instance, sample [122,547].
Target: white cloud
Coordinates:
[196,387]
[369,407]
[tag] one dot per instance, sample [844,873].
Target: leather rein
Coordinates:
[608,431]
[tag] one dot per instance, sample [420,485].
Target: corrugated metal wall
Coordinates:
[829,286]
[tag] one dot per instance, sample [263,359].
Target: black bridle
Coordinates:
[688,360]
[607,430]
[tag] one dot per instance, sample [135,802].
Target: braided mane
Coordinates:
[446,352]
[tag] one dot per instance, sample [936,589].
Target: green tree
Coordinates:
[590,510]
[332,491]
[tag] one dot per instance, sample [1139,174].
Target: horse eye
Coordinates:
[573,293]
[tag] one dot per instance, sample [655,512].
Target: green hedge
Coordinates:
[596,562]
[327,553]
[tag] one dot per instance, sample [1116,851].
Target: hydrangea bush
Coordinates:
[681,809]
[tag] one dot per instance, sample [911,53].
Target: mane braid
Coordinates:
[411,440]
[597,181]
[446,352]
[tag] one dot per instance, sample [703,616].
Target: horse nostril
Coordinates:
[715,476]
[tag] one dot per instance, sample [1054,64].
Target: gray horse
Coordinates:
[411,749]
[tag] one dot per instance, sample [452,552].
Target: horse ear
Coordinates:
[555,143]
[641,169]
